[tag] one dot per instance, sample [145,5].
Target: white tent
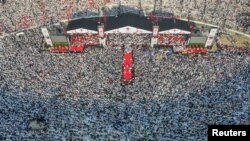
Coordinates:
[175,31]
[129,30]
[81,31]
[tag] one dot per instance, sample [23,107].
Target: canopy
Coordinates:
[175,31]
[129,30]
[81,31]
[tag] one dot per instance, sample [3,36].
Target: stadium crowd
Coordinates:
[17,15]
[173,40]
[79,96]
[121,39]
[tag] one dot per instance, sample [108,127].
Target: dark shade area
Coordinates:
[128,19]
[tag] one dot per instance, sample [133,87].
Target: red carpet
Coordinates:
[128,66]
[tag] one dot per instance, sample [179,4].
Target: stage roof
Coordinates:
[127,20]
[171,23]
[84,23]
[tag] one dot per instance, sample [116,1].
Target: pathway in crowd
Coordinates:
[127,65]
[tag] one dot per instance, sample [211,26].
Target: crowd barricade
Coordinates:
[60,49]
[195,50]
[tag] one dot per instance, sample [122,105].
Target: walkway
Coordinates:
[127,66]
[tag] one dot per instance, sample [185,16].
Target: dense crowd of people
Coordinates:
[172,40]
[80,96]
[118,39]
[17,15]
[89,39]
